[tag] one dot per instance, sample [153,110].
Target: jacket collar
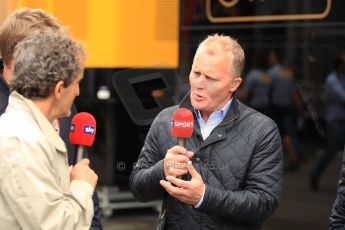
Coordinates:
[219,132]
[46,127]
[232,114]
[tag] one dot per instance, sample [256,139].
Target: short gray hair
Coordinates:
[228,45]
[44,59]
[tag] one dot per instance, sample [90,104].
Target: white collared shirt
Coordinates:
[215,119]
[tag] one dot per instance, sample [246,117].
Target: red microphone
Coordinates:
[82,133]
[182,125]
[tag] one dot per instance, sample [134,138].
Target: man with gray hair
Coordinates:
[19,25]
[38,191]
[229,175]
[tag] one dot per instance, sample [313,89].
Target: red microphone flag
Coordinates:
[83,129]
[182,123]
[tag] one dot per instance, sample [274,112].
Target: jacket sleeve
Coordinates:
[262,186]
[30,186]
[148,170]
[337,218]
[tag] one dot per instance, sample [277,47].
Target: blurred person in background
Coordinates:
[19,25]
[257,87]
[284,101]
[335,120]
[233,177]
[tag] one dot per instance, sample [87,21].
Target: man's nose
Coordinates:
[200,81]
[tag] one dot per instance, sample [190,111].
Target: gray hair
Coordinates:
[44,59]
[228,45]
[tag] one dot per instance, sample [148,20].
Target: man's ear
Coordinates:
[7,72]
[235,84]
[58,89]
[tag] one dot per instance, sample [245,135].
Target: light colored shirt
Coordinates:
[206,128]
[215,119]
[36,191]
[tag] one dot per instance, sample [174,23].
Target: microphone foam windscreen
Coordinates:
[182,123]
[83,129]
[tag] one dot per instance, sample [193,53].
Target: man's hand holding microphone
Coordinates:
[82,133]
[82,171]
[177,162]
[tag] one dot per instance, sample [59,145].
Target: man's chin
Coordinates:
[197,105]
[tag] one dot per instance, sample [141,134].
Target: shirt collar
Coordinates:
[222,111]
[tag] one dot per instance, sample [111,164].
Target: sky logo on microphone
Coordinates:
[89,130]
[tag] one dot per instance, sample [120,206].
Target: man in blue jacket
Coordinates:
[231,167]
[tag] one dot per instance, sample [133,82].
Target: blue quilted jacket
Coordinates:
[240,163]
